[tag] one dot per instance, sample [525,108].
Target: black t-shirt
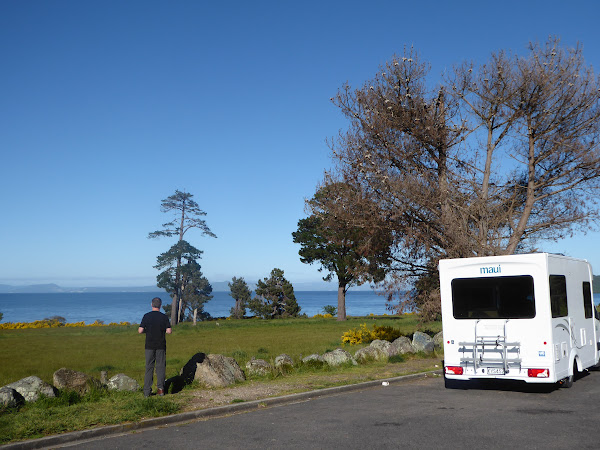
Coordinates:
[155,325]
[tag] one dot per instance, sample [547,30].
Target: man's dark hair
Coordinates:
[156,302]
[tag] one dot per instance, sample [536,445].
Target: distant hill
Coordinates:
[31,289]
[218,286]
[54,288]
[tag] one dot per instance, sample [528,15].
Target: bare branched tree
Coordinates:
[493,160]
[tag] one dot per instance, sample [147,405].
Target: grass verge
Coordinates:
[120,350]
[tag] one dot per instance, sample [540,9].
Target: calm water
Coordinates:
[131,306]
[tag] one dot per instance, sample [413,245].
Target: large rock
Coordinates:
[218,371]
[31,388]
[438,341]
[401,346]
[385,347]
[313,357]
[338,357]
[258,367]
[422,342]
[10,398]
[284,362]
[121,382]
[72,380]
[186,375]
[367,354]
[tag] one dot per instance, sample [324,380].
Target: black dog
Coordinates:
[178,382]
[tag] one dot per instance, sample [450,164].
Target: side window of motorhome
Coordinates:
[558,296]
[587,300]
[493,298]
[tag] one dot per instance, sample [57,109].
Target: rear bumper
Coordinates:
[517,374]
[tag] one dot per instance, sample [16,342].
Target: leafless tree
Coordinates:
[491,161]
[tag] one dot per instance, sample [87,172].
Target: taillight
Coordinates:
[538,373]
[454,370]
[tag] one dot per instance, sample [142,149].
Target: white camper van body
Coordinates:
[521,317]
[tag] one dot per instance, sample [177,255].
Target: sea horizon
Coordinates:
[115,307]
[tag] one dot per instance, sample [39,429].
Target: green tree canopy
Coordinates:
[187,215]
[274,297]
[240,291]
[353,253]
[194,289]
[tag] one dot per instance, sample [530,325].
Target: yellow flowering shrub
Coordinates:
[357,335]
[322,316]
[54,324]
[364,335]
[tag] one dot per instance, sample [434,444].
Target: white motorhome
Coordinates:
[524,317]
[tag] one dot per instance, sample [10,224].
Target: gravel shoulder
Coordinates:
[197,398]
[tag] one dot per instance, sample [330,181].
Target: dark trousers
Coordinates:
[154,358]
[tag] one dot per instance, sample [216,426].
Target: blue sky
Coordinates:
[107,107]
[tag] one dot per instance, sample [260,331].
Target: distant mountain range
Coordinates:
[54,288]
[219,286]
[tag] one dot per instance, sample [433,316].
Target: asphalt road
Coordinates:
[415,414]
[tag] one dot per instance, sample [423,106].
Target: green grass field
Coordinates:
[120,349]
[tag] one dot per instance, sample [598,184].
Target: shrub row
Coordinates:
[55,324]
[364,335]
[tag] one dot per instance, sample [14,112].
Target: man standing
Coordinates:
[155,324]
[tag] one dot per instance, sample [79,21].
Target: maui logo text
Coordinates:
[487,270]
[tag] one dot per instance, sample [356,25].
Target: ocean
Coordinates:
[131,306]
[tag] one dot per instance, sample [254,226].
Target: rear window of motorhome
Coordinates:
[493,298]
[558,296]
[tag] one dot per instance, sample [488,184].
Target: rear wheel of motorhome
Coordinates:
[568,382]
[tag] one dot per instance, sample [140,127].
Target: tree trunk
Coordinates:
[195,315]
[180,312]
[519,231]
[174,309]
[341,311]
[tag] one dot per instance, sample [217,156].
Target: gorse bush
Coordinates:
[363,335]
[55,323]
[357,335]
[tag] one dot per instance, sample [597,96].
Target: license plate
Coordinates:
[495,371]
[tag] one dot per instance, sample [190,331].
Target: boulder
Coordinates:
[313,357]
[401,346]
[338,357]
[367,354]
[385,347]
[10,397]
[121,382]
[218,371]
[258,367]
[422,342]
[284,362]
[186,375]
[31,388]
[71,380]
[438,341]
